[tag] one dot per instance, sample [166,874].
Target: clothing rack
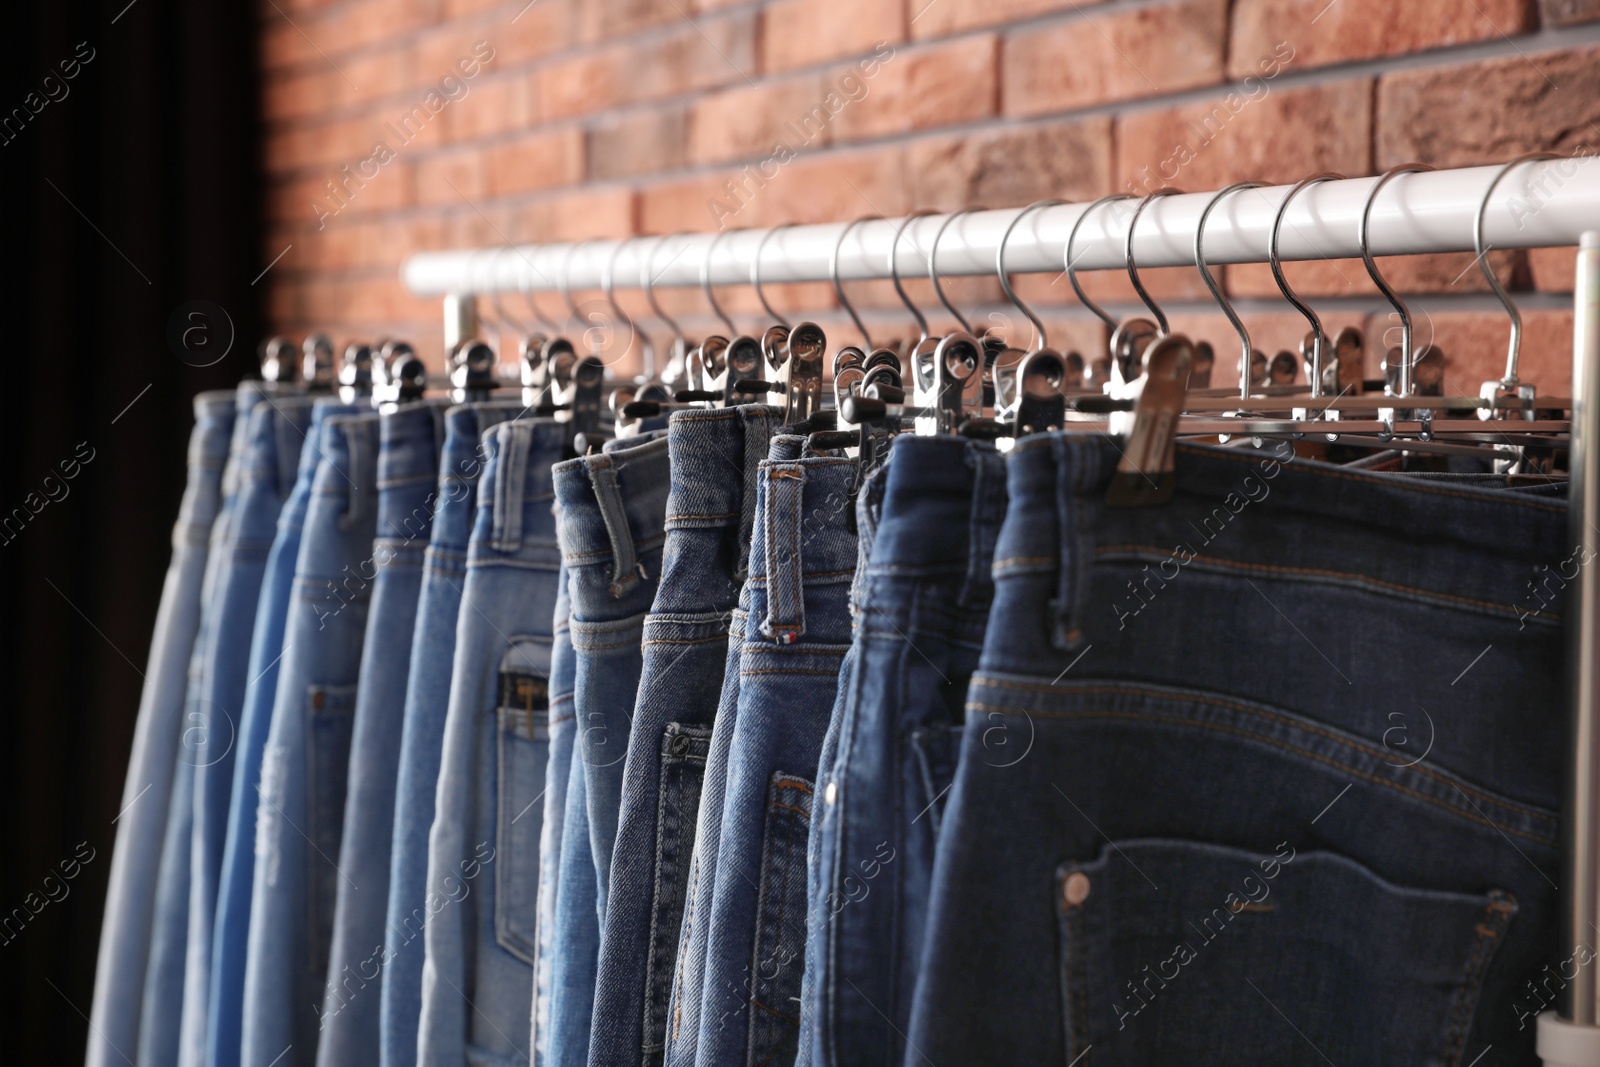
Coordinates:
[1549,203]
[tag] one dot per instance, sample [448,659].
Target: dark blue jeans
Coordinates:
[1269,774]
[710,516]
[427,701]
[802,562]
[923,610]
[409,441]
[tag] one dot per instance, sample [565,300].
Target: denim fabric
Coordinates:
[1268,774]
[802,562]
[427,700]
[125,931]
[231,926]
[483,850]
[304,766]
[714,459]
[563,739]
[264,473]
[927,589]
[575,948]
[408,473]
[161,1019]
[683,1022]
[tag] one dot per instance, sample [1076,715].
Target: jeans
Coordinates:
[1267,774]
[611,507]
[427,700]
[709,519]
[802,562]
[563,739]
[925,605]
[235,886]
[408,473]
[265,472]
[483,850]
[683,1011]
[300,817]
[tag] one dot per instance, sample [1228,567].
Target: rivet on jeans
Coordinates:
[1075,889]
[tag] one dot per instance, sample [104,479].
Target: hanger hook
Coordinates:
[933,272]
[705,282]
[1133,270]
[1404,385]
[833,273]
[1514,350]
[527,298]
[607,286]
[1005,282]
[495,323]
[1072,269]
[755,274]
[500,309]
[894,274]
[647,281]
[1318,335]
[1216,290]
[564,279]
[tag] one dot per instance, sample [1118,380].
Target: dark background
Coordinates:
[155,146]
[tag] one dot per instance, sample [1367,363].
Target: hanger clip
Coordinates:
[1146,474]
[800,376]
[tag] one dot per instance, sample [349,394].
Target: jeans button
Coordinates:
[1075,889]
[679,746]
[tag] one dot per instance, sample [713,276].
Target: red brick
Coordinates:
[1231,137]
[370,77]
[637,142]
[451,51]
[539,30]
[1474,345]
[801,33]
[580,85]
[451,178]
[536,162]
[1455,272]
[1552,269]
[937,18]
[1116,55]
[1318,33]
[688,206]
[834,187]
[1488,112]
[491,106]
[749,122]
[602,20]
[941,85]
[295,94]
[1011,167]
[1568,12]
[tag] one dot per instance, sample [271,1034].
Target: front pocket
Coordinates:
[778,961]
[936,750]
[683,769]
[522,740]
[1183,952]
[330,717]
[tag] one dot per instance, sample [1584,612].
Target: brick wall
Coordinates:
[401,125]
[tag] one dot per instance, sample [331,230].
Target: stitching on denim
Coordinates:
[1310,727]
[1358,578]
[1145,717]
[1496,918]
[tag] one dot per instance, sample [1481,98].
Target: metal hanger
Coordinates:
[1130,338]
[355,373]
[578,394]
[1399,364]
[1099,372]
[774,337]
[1509,391]
[1028,390]
[724,363]
[1248,355]
[1321,373]
[277,356]
[629,419]
[317,370]
[838,287]
[405,376]
[676,370]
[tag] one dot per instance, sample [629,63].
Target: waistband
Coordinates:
[715,457]
[1467,548]
[349,465]
[409,440]
[278,430]
[944,501]
[613,505]
[803,534]
[516,473]
[214,413]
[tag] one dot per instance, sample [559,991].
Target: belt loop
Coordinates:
[1075,520]
[757,438]
[784,492]
[511,475]
[983,527]
[287,457]
[355,466]
[624,564]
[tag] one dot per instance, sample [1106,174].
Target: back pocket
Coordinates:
[330,716]
[522,739]
[778,961]
[683,770]
[1181,952]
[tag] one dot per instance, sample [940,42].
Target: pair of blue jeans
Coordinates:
[304,768]
[409,442]
[427,701]
[483,850]
[126,929]
[274,429]
[231,925]
[710,517]
[1270,773]
[802,564]
[612,507]
[161,1021]
[924,606]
